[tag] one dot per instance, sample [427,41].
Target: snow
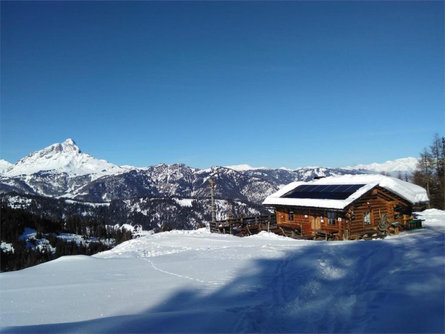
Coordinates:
[6,247]
[92,204]
[17,202]
[41,244]
[403,165]
[243,167]
[247,167]
[197,282]
[393,167]
[28,233]
[127,227]
[4,165]
[65,157]
[411,192]
[187,202]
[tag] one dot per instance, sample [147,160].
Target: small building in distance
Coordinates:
[347,207]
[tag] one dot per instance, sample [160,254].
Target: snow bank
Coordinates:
[432,217]
[197,282]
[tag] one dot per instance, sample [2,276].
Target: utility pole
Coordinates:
[212,197]
[230,214]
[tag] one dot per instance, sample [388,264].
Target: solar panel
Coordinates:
[325,191]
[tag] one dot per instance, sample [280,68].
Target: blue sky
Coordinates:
[219,83]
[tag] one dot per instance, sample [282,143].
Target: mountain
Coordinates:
[60,158]
[243,167]
[402,166]
[64,171]
[4,165]
[392,167]
[61,180]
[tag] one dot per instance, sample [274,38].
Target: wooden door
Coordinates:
[315,223]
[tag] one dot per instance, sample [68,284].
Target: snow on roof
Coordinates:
[408,191]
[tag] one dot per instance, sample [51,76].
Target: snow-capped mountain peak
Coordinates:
[65,157]
[402,165]
[69,145]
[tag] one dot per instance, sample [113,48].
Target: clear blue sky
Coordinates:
[219,83]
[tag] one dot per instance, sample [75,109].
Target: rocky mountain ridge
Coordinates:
[63,177]
[64,171]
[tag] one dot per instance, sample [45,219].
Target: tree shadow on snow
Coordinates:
[392,286]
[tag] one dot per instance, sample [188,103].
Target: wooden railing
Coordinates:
[244,225]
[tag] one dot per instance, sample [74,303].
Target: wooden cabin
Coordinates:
[346,207]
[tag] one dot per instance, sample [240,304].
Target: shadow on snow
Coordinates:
[391,286]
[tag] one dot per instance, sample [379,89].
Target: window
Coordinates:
[367,218]
[291,215]
[331,218]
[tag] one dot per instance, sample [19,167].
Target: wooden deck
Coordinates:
[243,226]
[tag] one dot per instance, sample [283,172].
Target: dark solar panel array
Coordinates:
[328,191]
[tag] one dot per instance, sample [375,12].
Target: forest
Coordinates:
[86,236]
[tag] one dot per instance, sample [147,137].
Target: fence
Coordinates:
[244,225]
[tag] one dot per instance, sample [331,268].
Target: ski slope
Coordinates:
[197,282]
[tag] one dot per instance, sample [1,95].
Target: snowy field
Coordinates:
[194,281]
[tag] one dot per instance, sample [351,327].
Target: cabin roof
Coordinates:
[337,192]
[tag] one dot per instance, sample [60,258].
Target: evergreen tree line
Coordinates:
[430,172]
[14,222]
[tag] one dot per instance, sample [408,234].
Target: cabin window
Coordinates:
[291,215]
[367,218]
[331,218]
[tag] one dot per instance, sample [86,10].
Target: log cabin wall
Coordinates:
[309,219]
[367,210]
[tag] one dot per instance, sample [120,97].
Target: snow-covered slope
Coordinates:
[196,282]
[4,165]
[243,167]
[403,165]
[65,157]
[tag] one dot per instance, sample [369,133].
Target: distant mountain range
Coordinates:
[176,194]
[394,167]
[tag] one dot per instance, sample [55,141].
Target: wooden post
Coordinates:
[212,198]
